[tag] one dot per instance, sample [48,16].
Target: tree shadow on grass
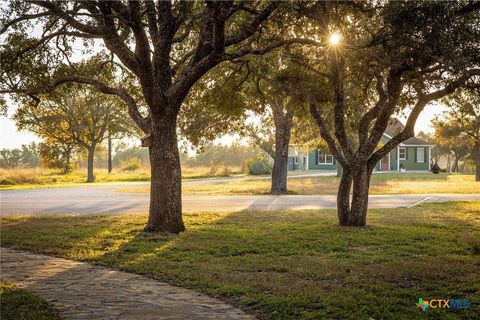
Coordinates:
[300,264]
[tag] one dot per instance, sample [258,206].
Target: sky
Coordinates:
[10,137]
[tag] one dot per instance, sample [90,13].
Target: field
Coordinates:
[392,183]
[287,264]
[21,178]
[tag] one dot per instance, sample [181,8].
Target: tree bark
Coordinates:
[477,161]
[343,197]
[353,213]
[339,170]
[361,184]
[90,176]
[165,194]
[109,154]
[283,126]
[455,164]
[280,166]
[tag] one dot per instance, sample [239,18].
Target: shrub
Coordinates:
[226,171]
[131,164]
[7,182]
[214,167]
[258,166]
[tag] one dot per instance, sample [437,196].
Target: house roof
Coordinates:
[395,126]
[416,141]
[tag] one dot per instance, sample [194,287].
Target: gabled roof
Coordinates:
[395,127]
[414,141]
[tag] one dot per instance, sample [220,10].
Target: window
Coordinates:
[402,154]
[420,155]
[295,159]
[324,158]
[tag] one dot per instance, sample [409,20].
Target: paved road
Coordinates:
[104,199]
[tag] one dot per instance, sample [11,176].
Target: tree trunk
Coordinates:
[359,207]
[477,161]
[355,213]
[343,197]
[67,167]
[339,170]
[283,125]
[280,162]
[90,176]
[165,194]
[109,154]
[109,157]
[455,164]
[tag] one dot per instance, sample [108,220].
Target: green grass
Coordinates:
[18,304]
[391,183]
[287,264]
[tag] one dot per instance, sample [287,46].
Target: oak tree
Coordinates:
[166,46]
[384,58]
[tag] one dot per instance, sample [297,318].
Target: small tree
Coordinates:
[450,138]
[83,119]
[463,120]
[56,155]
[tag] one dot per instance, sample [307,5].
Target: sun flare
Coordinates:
[335,38]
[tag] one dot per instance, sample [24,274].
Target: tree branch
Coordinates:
[324,132]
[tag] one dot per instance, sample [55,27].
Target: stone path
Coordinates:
[83,291]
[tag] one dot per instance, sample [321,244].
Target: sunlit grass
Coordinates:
[413,183]
[23,178]
[287,264]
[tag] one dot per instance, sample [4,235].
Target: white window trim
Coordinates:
[405,154]
[423,154]
[295,159]
[326,155]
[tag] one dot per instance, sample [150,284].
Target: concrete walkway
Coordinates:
[83,291]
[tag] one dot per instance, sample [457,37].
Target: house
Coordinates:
[414,154]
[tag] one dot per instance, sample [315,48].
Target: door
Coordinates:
[384,164]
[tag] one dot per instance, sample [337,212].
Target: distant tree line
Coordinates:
[27,156]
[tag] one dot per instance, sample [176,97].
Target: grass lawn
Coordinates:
[391,183]
[18,304]
[287,264]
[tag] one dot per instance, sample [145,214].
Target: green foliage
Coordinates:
[259,166]
[233,155]
[18,304]
[131,164]
[27,156]
[7,182]
[134,152]
[56,156]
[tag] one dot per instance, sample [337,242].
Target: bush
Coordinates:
[131,164]
[258,166]
[7,182]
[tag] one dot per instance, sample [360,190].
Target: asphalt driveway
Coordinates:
[105,199]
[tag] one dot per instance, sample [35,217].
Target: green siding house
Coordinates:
[414,154]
